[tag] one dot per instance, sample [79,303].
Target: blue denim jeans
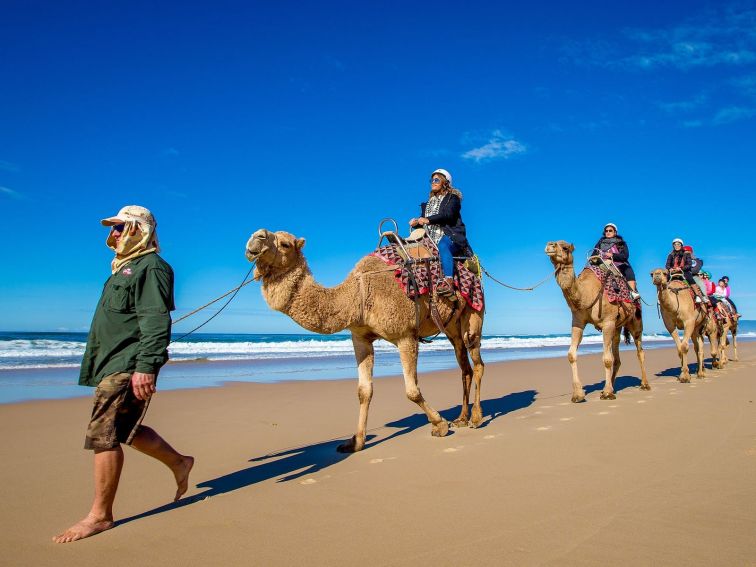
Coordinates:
[446,251]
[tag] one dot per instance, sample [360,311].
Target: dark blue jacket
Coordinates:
[449,218]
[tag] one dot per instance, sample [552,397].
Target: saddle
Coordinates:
[614,284]
[415,246]
[418,269]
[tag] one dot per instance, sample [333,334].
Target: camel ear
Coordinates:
[299,243]
[572,247]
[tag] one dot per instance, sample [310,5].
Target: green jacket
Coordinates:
[131,327]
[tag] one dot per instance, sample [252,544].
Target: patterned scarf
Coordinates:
[432,208]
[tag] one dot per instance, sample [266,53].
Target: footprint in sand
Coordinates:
[375,461]
[614,406]
[603,413]
[489,437]
[544,428]
[308,481]
[453,449]
[565,403]
[641,402]
[566,418]
[546,407]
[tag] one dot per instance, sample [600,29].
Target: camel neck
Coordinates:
[314,307]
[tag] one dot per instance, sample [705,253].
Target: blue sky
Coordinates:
[322,118]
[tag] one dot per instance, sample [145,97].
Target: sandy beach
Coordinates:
[662,477]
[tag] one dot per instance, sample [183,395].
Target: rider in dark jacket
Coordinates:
[613,247]
[442,219]
[681,260]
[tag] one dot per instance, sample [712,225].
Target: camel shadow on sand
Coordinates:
[620,383]
[674,372]
[292,464]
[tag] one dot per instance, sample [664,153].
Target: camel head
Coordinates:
[659,277]
[560,252]
[274,252]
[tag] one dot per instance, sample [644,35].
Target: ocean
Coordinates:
[37,366]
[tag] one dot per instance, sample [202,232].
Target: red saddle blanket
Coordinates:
[615,287]
[428,274]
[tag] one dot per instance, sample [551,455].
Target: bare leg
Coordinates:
[108,464]
[578,394]
[609,333]
[408,354]
[365,355]
[147,441]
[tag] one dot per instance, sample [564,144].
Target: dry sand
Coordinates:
[664,477]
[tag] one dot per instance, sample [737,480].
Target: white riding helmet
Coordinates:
[444,173]
[677,240]
[614,226]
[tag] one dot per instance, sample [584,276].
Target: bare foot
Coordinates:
[181,472]
[89,526]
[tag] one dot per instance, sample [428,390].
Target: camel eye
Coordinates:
[286,245]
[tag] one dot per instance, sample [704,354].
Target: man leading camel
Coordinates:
[126,347]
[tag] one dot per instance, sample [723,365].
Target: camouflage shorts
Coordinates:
[117,414]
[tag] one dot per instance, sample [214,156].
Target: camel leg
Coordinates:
[699,350]
[734,331]
[610,333]
[464,364]
[408,353]
[478,368]
[638,340]
[682,352]
[578,394]
[723,345]
[616,355]
[364,353]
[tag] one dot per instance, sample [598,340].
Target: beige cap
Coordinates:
[131,213]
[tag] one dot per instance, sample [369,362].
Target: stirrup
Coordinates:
[634,294]
[698,299]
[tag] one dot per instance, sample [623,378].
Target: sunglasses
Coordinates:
[118,227]
[436,181]
[608,230]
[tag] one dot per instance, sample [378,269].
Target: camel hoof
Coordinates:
[349,446]
[684,379]
[578,399]
[609,396]
[459,422]
[440,429]
[645,387]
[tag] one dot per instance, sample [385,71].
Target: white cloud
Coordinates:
[498,146]
[684,105]
[719,37]
[9,192]
[733,114]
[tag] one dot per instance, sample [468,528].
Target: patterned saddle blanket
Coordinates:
[615,287]
[428,274]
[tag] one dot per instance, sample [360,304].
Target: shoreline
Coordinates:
[663,476]
[19,385]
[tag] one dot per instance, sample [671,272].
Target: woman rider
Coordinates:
[680,260]
[441,218]
[613,247]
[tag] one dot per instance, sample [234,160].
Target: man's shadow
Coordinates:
[291,464]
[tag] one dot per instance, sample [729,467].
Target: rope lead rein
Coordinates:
[234,291]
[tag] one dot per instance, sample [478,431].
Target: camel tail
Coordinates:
[626,332]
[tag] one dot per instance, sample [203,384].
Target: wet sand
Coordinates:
[665,476]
